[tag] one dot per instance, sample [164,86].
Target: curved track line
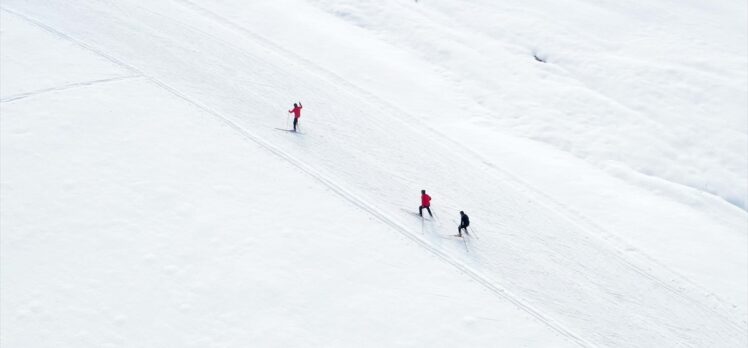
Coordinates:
[64,87]
[342,192]
[546,201]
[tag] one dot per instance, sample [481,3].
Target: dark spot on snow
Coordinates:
[538,58]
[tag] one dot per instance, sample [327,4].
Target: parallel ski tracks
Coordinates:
[583,223]
[545,200]
[331,184]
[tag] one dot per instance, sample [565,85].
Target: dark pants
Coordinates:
[420,210]
[462,227]
[295,121]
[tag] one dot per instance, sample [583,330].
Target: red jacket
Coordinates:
[296,111]
[425,200]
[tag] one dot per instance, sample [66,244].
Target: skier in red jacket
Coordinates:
[296,114]
[425,203]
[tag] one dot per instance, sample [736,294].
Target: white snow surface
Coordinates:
[147,198]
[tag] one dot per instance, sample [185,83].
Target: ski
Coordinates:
[468,228]
[473,233]
[290,131]
[416,214]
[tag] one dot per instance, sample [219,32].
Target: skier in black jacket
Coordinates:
[464,223]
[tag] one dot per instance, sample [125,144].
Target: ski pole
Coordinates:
[464,240]
[472,231]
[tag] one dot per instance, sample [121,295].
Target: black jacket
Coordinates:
[465,220]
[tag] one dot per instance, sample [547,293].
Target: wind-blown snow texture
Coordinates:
[148,200]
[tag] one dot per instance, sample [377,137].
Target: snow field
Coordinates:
[374,136]
[163,227]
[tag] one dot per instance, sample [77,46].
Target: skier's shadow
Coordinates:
[432,230]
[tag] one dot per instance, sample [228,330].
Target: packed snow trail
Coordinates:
[658,79]
[155,237]
[360,145]
[455,53]
[500,292]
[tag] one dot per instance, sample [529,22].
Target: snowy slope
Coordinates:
[231,228]
[664,80]
[162,227]
[674,231]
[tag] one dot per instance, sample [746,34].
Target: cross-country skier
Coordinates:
[296,114]
[425,203]
[464,223]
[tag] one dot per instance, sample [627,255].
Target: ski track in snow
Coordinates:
[638,261]
[67,86]
[344,193]
[543,200]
